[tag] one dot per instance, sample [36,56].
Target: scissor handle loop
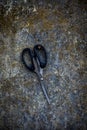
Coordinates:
[40,53]
[31,66]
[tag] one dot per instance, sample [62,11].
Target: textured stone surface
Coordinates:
[61,28]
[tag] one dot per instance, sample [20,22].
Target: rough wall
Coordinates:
[60,26]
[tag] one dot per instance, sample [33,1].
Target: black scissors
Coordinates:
[37,59]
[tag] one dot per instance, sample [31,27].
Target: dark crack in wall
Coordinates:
[60,26]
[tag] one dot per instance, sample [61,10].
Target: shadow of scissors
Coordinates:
[37,60]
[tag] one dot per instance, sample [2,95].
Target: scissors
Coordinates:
[37,59]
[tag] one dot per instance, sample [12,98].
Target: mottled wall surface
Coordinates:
[60,26]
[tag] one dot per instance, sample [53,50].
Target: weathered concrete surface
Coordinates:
[61,28]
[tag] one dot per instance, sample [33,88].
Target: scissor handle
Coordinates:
[40,53]
[31,66]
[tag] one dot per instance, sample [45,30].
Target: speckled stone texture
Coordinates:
[60,26]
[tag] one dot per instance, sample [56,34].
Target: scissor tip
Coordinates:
[49,102]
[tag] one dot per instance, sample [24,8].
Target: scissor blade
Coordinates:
[39,74]
[44,91]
